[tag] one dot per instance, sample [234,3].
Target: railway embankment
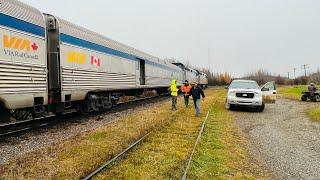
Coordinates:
[163,154]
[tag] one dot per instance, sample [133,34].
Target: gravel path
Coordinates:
[284,139]
[14,147]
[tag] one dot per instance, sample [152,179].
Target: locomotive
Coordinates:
[50,65]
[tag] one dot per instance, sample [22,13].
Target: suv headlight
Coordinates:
[232,93]
[258,94]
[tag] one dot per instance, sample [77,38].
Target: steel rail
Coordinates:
[106,165]
[184,177]
[10,129]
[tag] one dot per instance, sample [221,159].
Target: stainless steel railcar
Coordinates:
[193,75]
[23,59]
[188,73]
[49,65]
[203,80]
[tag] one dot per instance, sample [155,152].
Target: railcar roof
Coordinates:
[91,36]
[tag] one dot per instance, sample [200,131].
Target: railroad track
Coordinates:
[115,158]
[105,166]
[17,128]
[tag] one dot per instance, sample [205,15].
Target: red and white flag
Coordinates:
[95,61]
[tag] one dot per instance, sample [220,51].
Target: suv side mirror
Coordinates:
[265,89]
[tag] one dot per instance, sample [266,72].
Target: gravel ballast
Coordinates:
[284,139]
[14,147]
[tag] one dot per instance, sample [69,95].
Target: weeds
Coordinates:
[291,92]
[314,114]
[162,155]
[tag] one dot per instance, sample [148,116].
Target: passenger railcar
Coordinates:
[203,80]
[192,75]
[50,65]
[188,73]
[23,59]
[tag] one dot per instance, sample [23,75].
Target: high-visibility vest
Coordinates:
[186,89]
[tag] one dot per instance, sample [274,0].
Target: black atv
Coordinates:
[313,96]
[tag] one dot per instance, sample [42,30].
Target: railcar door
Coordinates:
[142,72]
[54,79]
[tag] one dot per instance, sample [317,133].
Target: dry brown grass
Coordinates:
[161,156]
[78,156]
[314,114]
[220,155]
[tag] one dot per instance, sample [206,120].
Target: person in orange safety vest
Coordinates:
[186,88]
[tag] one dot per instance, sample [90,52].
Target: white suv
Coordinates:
[248,93]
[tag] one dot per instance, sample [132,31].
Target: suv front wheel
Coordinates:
[228,106]
[261,108]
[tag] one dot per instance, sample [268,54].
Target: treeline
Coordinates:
[262,77]
[217,79]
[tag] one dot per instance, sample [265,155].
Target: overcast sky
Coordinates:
[242,35]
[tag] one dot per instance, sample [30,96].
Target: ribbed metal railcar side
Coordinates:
[23,69]
[191,76]
[161,76]
[118,68]
[203,79]
[80,76]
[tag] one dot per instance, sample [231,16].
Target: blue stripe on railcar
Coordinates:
[96,47]
[28,27]
[93,46]
[21,25]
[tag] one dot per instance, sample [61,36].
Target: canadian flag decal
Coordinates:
[95,61]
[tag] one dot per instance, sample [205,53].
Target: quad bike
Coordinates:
[313,96]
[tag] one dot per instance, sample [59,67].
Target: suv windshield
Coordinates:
[244,85]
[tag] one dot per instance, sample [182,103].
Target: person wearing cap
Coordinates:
[196,93]
[174,94]
[186,88]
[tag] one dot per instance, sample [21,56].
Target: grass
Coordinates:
[164,154]
[314,114]
[291,92]
[294,93]
[220,153]
[77,157]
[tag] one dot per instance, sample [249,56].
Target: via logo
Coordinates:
[76,57]
[19,43]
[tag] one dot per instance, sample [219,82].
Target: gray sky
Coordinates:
[275,35]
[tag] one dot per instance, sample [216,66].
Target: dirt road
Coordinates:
[284,139]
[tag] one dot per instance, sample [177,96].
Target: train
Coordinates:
[50,65]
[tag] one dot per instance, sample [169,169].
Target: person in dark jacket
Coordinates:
[196,93]
[312,89]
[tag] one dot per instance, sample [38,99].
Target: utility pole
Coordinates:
[288,75]
[305,67]
[294,72]
[209,59]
